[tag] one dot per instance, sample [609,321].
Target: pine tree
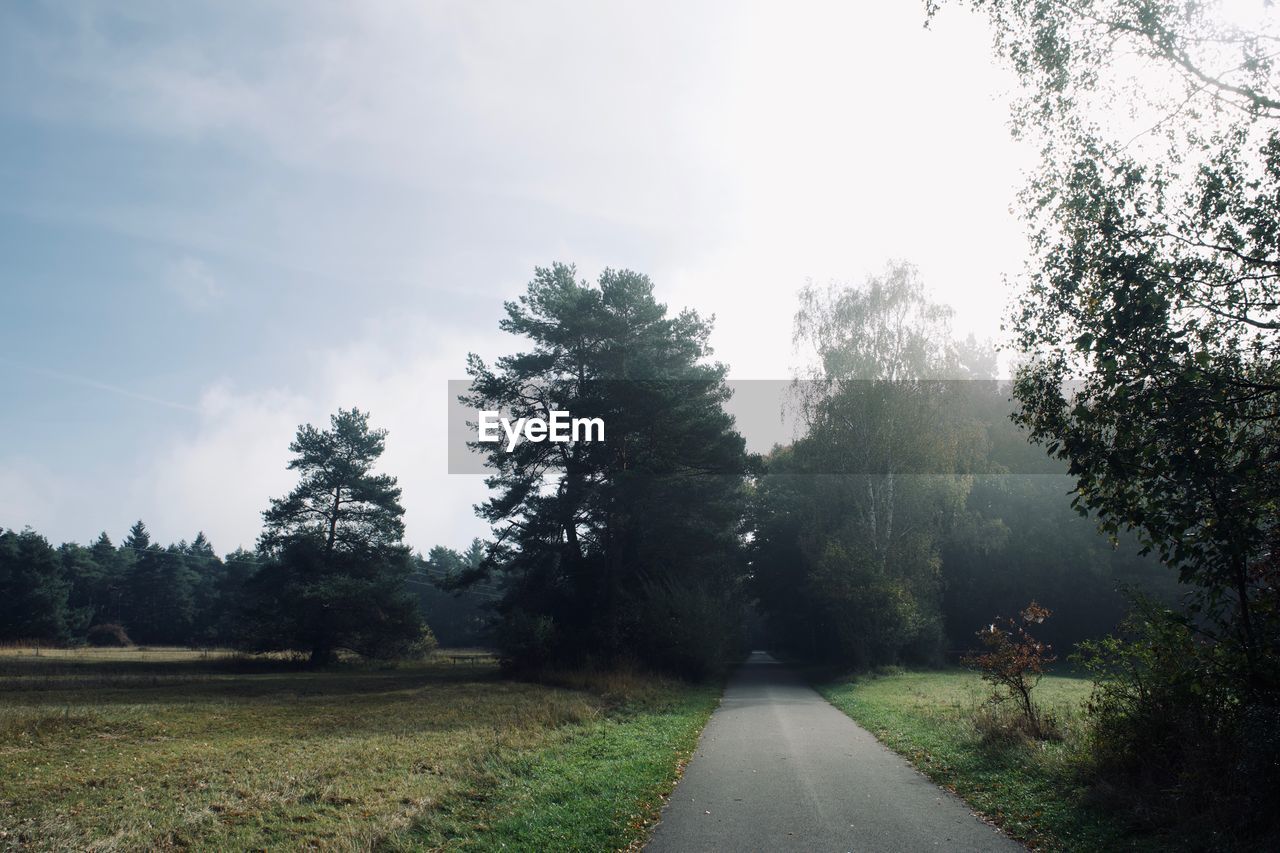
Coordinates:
[337,570]
[143,578]
[33,589]
[109,596]
[626,546]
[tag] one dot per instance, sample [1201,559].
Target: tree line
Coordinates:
[184,594]
[910,511]
[177,594]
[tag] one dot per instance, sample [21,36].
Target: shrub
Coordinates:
[396,646]
[526,641]
[1000,724]
[1174,724]
[422,647]
[689,629]
[108,635]
[1013,664]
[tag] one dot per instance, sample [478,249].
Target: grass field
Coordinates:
[1034,791]
[176,749]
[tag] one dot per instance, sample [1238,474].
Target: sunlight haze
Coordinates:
[222,223]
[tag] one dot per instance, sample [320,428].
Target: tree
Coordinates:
[848,520]
[144,585]
[229,596]
[337,564]
[160,590]
[87,583]
[1152,299]
[139,537]
[33,589]
[206,577]
[1149,311]
[107,593]
[593,538]
[1019,539]
[458,616]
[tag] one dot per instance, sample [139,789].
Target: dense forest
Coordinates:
[182,594]
[910,512]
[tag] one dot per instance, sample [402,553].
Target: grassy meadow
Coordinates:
[166,749]
[1035,791]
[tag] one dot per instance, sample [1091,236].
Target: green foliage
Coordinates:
[226,596]
[1149,315]
[1019,539]
[848,521]
[458,616]
[33,589]
[692,630]
[1151,302]
[101,589]
[319,602]
[529,641]
[161,594]
[423,646]
[185,595]
[588,531]
[338,501]
[179,595]
[336,570]
[1172,736]
[1034,790]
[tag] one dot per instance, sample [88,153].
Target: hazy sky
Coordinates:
[221,220]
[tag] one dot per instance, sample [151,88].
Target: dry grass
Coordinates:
[109,749]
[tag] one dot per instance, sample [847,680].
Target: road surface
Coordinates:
[778,769]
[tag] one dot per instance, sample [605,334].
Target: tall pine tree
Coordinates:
[337,563]
[628,547]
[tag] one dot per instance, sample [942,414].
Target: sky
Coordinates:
[220,221]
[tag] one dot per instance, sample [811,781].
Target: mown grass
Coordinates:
[166,750]
[1035,791]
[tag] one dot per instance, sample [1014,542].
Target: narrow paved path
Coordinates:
[780,769]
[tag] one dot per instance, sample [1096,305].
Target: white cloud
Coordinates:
[412,154]
[221,475]
[218,476]
[28,495]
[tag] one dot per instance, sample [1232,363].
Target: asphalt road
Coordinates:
[779,769]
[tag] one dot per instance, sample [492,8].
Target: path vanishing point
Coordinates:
[779,769]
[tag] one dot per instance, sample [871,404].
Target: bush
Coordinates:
[998,725]
[1013,664]
[691,630]
[1174,724]
[422,647]
[526,642]
[108,635]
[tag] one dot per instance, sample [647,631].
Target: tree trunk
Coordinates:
[333,521]
[1240,570]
